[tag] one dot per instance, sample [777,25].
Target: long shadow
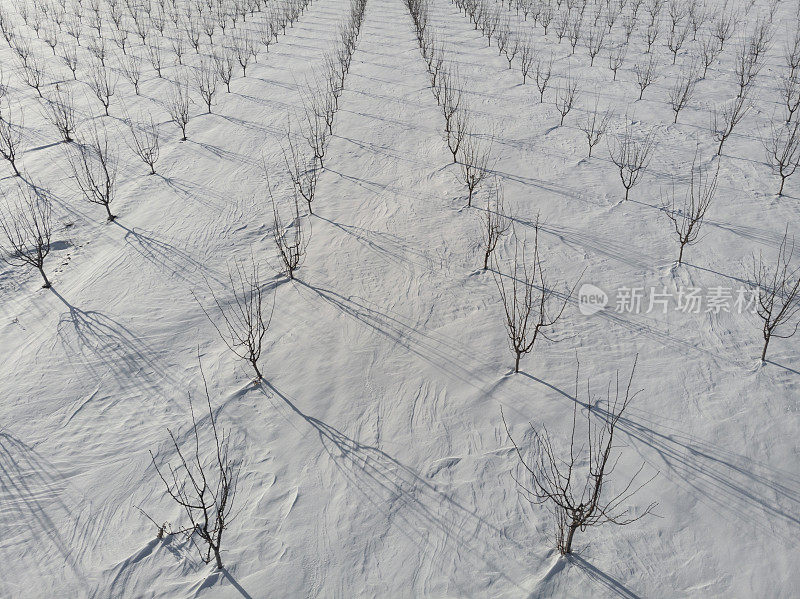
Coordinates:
[600,577]
[391,247]
[236,584]
[106,344]
[445,353]
[25,479]
[782,366]
[731,481]
[390,485]
[164,255]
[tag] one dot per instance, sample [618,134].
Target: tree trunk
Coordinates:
[568,543]
[680,255]
[764,351]
[516,364]
[44,276]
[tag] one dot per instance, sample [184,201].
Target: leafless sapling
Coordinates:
[94,168]
[131,67]
[543,72]
[783,150]
[103,83]
[26,228]
[595,42]
[302,169]
[315,133]
[291,240]
[526,57]
[69,54]
[206,80]
[177,105]
[243,312]
[682,90]
[473,163]
[223,63]
[565,98]
[616,58]
[11,137]
[726,116]
[646,74]
[574,485]
[204,487]
[777,289]
[156,57]
[530,305]
[595,124]
[495,222]
[145,142]
[60,110]
[456,130]
[631,155]
[687,220]
[33,73]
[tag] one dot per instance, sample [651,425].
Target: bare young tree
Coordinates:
[682,90]
[145,142]
[595,124]
[11,137]
[631,155]
[688,219]
[777,293]
[60,110]
[526,58]
[204,488]
[530,305]
[291,239]
[206,80]
[473,163]
[316,133]
[646,74]
[26,228]
[456,130]
[725,117]
[94,168]
[244,317]
[543,72]
[565,98]
[495,222]
[69,54]
[709,50]
[223,63]
[595,42]
[131,67]
[103,83]
[783,150]
[573,485]
[790,93]
[177,105]
[302,171]
[156,56]
[33,73]
[616,58]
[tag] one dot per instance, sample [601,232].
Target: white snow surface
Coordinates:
[374,462]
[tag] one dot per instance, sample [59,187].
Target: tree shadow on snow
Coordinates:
[753,491]
[405,497]
[106,345]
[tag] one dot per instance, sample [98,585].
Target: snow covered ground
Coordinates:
[374,462]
